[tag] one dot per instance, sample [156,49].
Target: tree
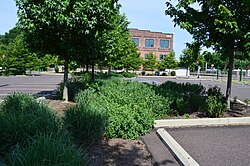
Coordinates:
[16,58]
[223,24]
[119,49]
[169,61]
[68,28]
[214,58]
[188,58]
[131,61]
[150,62]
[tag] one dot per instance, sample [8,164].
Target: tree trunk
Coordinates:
[230,53]
[65,80]
[92,73]
[87,68]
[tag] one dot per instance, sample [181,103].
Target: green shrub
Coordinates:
[216,103]
[215,107]
[173,73]
[128,74]
[56,69]
[131,107]
[85,124]
[143,73]
[183,98]
[164,74]
[48,149]
[23,117]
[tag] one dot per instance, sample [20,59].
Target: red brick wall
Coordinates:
[157,36]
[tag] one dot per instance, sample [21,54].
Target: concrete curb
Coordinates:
[179,153]
[202,122]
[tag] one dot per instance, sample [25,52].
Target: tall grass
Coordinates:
[85,124]
[48,149]
[23,117]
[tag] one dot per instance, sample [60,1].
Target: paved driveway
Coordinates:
[42,84]
[217,146]
[241,91]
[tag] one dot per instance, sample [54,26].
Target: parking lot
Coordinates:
[42,84]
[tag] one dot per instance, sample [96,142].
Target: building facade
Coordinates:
[160,44]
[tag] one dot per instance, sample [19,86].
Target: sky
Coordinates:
[142,14]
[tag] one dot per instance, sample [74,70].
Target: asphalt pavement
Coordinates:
[217,146]
[42,84]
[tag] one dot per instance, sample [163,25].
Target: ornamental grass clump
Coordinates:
[22,117]
[48,149]
[86,125]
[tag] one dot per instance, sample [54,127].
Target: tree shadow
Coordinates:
[120,152]
[4,85]
[47,94]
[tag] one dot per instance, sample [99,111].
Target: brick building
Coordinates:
[160,44]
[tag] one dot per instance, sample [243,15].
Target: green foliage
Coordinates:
[118,47]
[150,62]
[87,125]
[188,58]
[216,103]
[224,25]
[215,58]
[173,73]
[22,117]
[215,107]
[131,107]
[76,83]
[56,69]
[143,73]
[48,149]
[169,61]
[128,74]
[183,98]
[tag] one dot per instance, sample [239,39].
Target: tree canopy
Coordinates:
[222,24]
[169,61]
[68,28]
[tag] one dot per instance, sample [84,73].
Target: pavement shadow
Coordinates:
[47,94]
[4,85]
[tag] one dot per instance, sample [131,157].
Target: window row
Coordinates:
[149,43]
[161,57]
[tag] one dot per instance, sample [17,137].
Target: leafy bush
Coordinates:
[23,117]
[173,73]
[128,74]
[143,73]
[164,74]
[85,124]
[216,103]
[56,69]
[182,97]
[131,107]
[215,107]
[48,149]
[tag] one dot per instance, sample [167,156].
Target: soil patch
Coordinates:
[111,151]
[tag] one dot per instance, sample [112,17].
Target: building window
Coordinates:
[162,56]
[146,56]
[164,43]
[149,43]
[136,40]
